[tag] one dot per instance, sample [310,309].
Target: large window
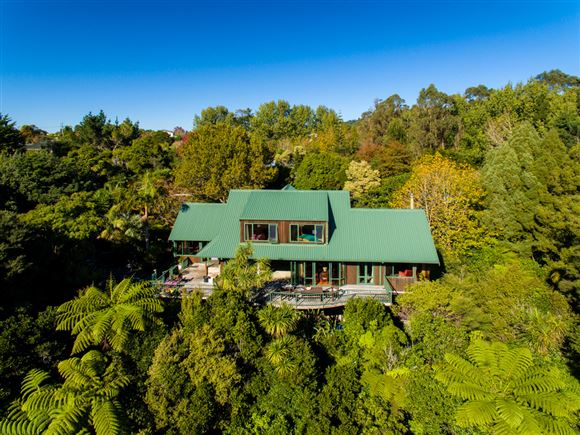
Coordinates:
[307,233]
[365,273]
[261,232]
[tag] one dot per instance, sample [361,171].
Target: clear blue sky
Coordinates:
[161,62]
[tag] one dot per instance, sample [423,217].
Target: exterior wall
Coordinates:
[351,273]
[377,274]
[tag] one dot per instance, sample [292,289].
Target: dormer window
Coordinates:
[261,232]
[306,233]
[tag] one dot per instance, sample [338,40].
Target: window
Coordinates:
[307,233]
[261,232]
[187,247]
[365,273]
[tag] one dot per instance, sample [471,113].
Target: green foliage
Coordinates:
[321,171]
[87,399]
[77,216]
[509,303]
[148,152]
[26,342]
[278,321]
[106,319]
[11,139]
[191,369]
[533,195]
[243,275]
[217,158]
[38,177]
[505,391]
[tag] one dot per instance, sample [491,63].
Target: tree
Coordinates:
[11,140]
[218,158]
[278,321]
[107,318]
[26,341]
[361,179]
[451,195]
[532,185]
[148,152]
[321,171]
[385,122]
[191,380]
[506,392]
[95,131]
[435,124]
[214,115]
[242,275]
[558,80]
[86,400]
[391,159]
[123,134]
[475,93]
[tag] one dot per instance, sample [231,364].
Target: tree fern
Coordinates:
[107,318]
[87,397]
[505,393]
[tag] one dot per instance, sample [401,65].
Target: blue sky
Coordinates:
[160,63]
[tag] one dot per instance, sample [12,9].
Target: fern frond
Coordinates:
[537,382]
[478,413]
[515,362]
[33,381]
[510,412]
[469,391]
[106,419]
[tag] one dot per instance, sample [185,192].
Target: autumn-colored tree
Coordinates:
[451,195]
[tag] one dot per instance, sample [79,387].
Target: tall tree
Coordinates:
[451,195]
[11,140]
[435,124]
[321,171]
[218,158]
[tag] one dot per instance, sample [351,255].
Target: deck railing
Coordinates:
[328,299]
[169,274]
[399,283]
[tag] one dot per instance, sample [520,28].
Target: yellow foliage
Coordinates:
[451,195]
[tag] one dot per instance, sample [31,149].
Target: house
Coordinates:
[312,238]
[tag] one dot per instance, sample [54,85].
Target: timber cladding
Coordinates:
[351,273]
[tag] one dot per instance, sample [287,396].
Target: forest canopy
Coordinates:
[490,344]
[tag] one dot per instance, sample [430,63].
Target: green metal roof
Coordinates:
[288,205]
[197,221]
[370,235]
